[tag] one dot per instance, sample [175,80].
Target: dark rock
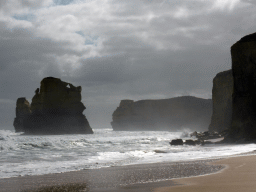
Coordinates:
[199,142]
[222,101]
[165,114]
[190,142]
[56,108]
[208,143]
[194,134]
[214,135]
[159,151]
[243,125]
[22,112]
[224,133]
[202,136]
[176,142]
[206,133]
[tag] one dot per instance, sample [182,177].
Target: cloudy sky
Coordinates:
[117,49]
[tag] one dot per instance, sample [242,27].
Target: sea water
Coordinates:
[36,155]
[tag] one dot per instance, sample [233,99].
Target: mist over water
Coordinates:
[36,155]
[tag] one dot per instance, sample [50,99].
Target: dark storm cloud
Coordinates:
[117,49]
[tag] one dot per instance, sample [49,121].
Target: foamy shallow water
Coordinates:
[37,155]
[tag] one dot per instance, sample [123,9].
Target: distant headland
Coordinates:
[165,114]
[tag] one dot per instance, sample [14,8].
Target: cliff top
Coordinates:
[222,75]
[245,39]
[128,102]
[53,83]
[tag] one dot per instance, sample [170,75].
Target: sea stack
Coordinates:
[22,111]
[165,114]
[56,108]
[243,125]
[222,101]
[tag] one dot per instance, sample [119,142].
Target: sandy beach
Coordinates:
[239,175]
[230,174]
[129,178]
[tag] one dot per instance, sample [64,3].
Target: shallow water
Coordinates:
[37,155]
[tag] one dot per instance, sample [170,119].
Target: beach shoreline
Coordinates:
[112,178]
[157,177]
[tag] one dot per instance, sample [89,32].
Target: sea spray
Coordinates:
[43,154]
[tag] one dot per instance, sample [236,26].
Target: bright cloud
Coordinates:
[106,19]
[225,4]
[181,12]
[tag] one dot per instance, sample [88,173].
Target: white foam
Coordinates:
[35,155]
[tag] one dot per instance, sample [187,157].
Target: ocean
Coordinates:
[37,155]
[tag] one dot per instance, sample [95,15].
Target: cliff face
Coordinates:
[243,125]
[222,101]
[56,108]
[164,114]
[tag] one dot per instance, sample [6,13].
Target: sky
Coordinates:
[117,49]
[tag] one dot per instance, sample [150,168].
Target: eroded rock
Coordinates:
[208,135]
[56,108]
[176,142]
[190,142]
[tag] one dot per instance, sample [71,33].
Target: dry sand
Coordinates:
[238,176]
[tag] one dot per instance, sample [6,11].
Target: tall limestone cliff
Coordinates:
[56,108]
[243,125]
[165,114]
[222,101]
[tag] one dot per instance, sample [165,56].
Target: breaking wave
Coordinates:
[36,155]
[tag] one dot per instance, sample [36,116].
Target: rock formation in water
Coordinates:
[222,101]
[165,114]
[243,125]
[56,108]
[22,111]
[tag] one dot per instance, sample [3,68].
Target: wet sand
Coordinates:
[129,178]
[238,176]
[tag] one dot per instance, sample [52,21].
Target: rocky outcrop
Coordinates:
[176,142]
[22,112]
[165,114]
[56,108]
[208,135]
[243,125]
[222,101]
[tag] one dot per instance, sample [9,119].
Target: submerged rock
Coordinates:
[165,114]
[207,135]
[159,151]
[176,142]
[190,142]
[243,125]
[222,101]
[56,108]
